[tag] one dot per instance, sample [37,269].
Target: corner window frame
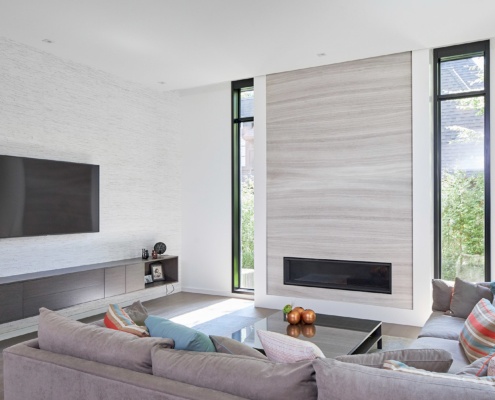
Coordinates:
[451,53]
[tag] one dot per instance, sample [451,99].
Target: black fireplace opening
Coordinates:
[360,276]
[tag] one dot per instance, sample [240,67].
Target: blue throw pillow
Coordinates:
[492,288]
[185,338]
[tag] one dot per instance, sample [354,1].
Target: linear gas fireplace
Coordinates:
[360,276]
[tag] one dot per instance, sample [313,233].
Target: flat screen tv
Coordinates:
[43,197]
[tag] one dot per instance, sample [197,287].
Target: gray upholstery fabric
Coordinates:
[230,346]
[480,365]
[434,360]
[33,374]
[442,294]
[343,381]
[466,296]
[63,335]
[452,346]
[137,312]
[442,326]
[238,375]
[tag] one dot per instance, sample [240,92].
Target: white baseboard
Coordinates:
[218,293]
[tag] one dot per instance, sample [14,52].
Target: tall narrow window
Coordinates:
[243,185]
[462,162]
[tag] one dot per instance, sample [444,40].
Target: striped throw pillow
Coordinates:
[285,349]
[477,338]
[117,319]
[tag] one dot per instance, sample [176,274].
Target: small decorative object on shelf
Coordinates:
[157,272]
[148,279]
[160,248]
[145,254]
[154,256]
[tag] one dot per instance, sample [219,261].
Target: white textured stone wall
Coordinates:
[56,109]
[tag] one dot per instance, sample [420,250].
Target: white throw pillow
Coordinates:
[286,349]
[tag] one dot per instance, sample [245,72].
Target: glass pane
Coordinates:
[462,189]
[247,205]
[247,103]
[461,76]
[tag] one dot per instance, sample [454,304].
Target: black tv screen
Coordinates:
[43,197]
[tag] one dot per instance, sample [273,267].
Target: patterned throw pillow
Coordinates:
[286,349]
[401,367]
[478,335]
[117,319]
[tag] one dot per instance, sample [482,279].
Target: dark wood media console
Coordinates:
[21,296]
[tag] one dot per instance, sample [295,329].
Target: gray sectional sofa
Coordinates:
[449,312]
[71,360]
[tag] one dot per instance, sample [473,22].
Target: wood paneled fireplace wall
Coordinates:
[339,173]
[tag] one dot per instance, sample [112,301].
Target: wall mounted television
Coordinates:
[44,197]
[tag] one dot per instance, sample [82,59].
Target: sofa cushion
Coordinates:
[435,360]
[401,367]
[442,326]
[63,335]
[343,381]
[452,346]
[185,338]
[137,312]
[116,318]
[466,296]
[227,345]
[442,294]
[478,367]
[283,348]
[242,376]
[478,335]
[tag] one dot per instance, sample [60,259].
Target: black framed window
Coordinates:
[243,185]
[462,161]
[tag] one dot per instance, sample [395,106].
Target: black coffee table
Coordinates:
[334,335]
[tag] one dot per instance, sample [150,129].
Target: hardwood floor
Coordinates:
[202,311]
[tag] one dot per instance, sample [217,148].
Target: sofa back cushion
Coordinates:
[442,294]
[63,335]
[466,296]
[247,377]
[343,381]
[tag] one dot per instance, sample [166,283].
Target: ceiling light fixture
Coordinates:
[47,41]
[161,83]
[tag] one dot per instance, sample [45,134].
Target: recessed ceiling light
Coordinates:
[321,54]
[47,41]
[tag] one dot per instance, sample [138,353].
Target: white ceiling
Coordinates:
[189,43]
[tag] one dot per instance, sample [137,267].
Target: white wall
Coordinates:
[55,109]
[206,190]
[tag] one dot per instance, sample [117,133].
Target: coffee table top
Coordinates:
[334,335]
